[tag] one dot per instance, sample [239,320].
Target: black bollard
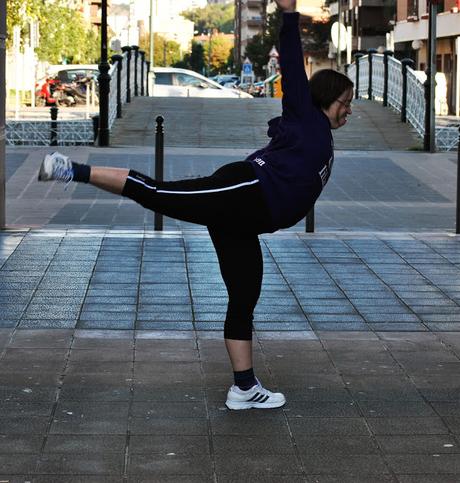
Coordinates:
[310,221]
[386,54]
[357,57]
[159,163]
[54,126]
[370,53]
[142,54]
[136,68]
[404,64]
[457,228]
[119,60]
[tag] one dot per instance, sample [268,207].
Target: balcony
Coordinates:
[448,25]
[254,22]
[255,4]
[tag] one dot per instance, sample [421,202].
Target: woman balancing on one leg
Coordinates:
[274,188]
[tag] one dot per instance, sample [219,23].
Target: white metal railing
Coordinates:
[363,76]
[113,94]
[79,132]
[38,133]
[447,137]
[378,74]
[415,110]
[394,83]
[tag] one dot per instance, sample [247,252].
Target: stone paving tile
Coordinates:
[362,405]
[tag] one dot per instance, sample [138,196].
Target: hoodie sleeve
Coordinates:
[296,93]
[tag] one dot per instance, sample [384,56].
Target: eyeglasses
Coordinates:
[345,104]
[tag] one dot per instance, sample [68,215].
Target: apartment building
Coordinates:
[371,21]
[250,18]
[411,36]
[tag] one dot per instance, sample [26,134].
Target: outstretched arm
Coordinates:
[296,93]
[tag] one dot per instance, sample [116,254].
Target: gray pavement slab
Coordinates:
[112,365]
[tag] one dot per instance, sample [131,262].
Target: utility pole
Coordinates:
[151,36]
[339,52]
[104,82]
[429,138]
[2,114]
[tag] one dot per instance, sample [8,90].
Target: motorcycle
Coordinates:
[46,94]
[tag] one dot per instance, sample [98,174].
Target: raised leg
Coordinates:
[109,179]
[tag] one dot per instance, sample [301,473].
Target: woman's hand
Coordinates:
[286,5]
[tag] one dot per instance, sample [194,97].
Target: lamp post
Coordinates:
[104,82]
[429,138]
[151,37]
[457,226]
[209,51]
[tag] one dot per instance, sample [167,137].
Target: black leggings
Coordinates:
[231,204]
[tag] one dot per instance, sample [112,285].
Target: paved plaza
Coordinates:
[112,363]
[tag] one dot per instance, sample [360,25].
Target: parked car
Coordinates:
[67,76]
[224,79]
[175,82]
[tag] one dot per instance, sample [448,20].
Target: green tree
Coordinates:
[314,39]
[18,14]
[220,48]
[165,52]
[213,16]
[63,33]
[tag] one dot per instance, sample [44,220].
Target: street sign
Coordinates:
[247,69]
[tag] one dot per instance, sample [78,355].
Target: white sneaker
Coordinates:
[56,166]
[256,397]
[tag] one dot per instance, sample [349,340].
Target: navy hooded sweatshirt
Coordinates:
[296,164]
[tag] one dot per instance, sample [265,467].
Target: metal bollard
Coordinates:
[127,49]
[404,64]
[369,58]
[136,62]
[142,54]
[147,76]
[54,126]
[357,57]
[310,221]
[457,228]
[386,54]
[159,163]
[119,59]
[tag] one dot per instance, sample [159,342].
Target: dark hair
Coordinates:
[327,85]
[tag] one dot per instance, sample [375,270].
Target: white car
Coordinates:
[174,82]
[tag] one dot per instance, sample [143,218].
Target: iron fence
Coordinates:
[414,95]
[83,132]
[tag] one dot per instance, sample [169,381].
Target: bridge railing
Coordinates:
[383,78]
[124,84]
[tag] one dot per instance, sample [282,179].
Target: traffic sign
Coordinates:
[247,69]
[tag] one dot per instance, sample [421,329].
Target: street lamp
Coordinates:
[104,82]
[429,138]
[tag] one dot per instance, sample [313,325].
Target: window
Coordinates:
[412,8]
[188,80]
[163,78]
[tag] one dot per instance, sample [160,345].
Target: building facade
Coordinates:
[250,19]
[371,22]
[411,35]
